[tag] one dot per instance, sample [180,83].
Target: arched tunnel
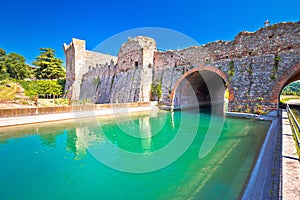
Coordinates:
[199,89]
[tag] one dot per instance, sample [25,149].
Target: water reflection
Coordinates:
[146,133]
[137,137]
[83,135]
[48,139]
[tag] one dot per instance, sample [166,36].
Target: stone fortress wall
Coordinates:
[254,66]
[79,61]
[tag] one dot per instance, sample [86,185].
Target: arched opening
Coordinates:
[200,87]
[290,93]
[290,76]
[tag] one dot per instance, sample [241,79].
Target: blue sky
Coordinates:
[30,24]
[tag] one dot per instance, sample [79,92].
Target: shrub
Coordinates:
[52,87]
[156,91]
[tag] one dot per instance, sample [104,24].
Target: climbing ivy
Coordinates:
[231,69]
[273,75]
[277,59]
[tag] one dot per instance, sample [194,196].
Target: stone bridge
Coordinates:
[254,68]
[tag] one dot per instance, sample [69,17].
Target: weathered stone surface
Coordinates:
[78,62]
[254,67]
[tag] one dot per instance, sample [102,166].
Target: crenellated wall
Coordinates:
[254,68]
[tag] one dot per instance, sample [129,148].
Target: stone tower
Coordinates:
[78,62]
[138,54]
[75,55]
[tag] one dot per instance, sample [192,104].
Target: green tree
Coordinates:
[3,70]
[49,67]
[292,89]
[15,66]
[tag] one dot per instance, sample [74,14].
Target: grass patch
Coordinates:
[24,92]
[285,98]
[53,102]
[8,90]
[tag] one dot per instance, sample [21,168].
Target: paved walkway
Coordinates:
[290,163]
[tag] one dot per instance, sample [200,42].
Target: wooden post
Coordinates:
[37,104]
[36,99]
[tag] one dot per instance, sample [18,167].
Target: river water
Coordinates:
[84,159]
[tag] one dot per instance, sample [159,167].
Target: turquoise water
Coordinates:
[56,160]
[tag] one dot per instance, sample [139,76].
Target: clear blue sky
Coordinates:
[28,25]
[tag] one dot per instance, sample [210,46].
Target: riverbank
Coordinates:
[79,112]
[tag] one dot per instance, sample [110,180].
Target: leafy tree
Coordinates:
[292,89]
[49,67]
[2,52]
[16,66]
[3,70]
[13,65]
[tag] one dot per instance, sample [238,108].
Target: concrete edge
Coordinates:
[269,117]
[258,186]
[242,115]
[13,121]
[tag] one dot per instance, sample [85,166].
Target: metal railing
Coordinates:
[294,123]
[51,100]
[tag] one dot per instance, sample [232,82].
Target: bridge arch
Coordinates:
[205,83]
[291,75]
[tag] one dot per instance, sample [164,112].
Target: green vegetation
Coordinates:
[13,65]
[290,92]
[231,69]
[292,89]
[51,87]
[260,110]
[273,75]
[25,92]
[156,92]
[9,90]
[49,66]
[18,81]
